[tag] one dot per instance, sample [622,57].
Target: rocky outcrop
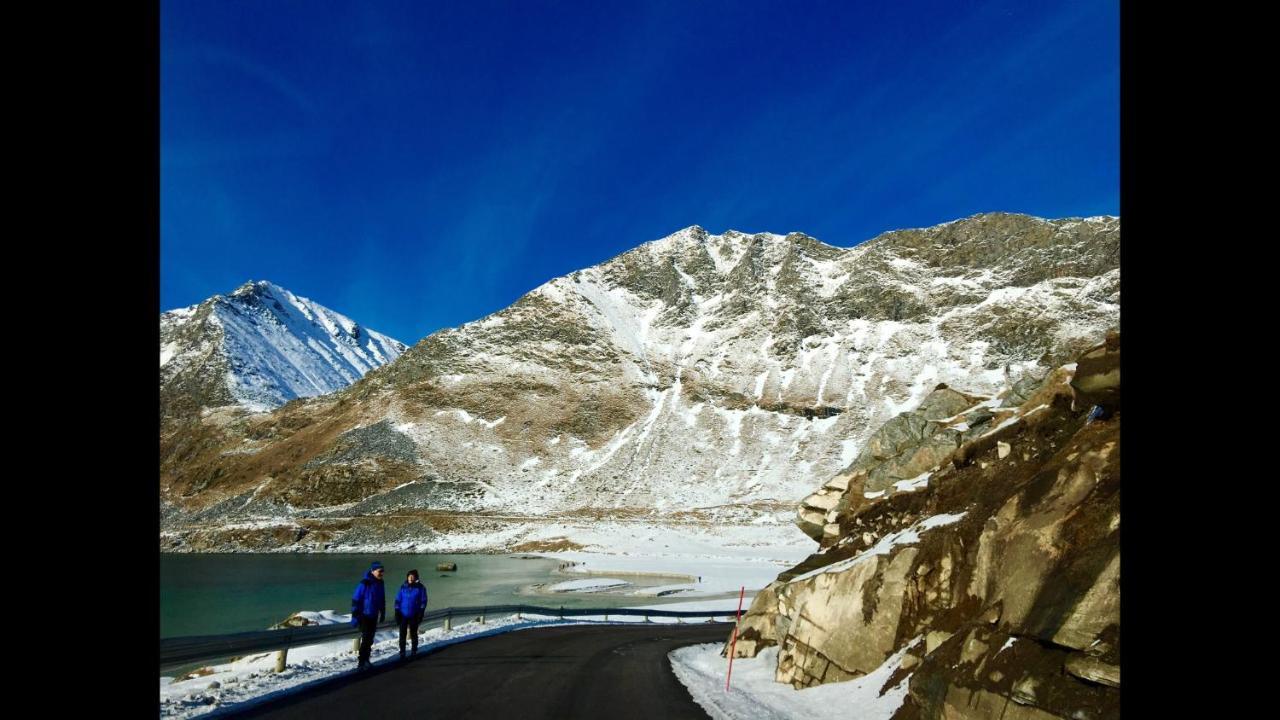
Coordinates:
[899,454]
[1000,570]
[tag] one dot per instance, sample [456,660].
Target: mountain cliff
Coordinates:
[992,577]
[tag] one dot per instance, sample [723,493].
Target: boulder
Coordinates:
[1097,375]
[1093,670]
[1006,574]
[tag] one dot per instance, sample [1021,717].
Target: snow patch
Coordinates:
[907,536]
[915,483]
[753,693]
[588,585]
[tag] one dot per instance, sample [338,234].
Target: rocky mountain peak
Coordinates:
[260,346]
[251,287]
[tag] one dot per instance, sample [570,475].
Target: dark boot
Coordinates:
[402,653]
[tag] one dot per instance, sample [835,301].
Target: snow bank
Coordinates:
[753,694]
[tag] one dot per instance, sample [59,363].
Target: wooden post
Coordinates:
[355,645]
[448,623]
[733,645]
[280,659]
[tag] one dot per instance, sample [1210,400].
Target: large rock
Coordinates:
[1097,375]
[906,447]
[1005,569]
[825,641]
[1093,670]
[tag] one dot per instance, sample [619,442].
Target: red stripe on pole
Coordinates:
[734,644]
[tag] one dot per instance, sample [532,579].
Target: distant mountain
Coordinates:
[260,347]
[698,371]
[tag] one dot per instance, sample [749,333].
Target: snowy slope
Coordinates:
[266,346]
[736,368]
[709,378]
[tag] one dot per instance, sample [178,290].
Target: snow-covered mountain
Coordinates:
[260,347]
[696,376]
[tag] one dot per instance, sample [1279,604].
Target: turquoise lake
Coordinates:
[224,593]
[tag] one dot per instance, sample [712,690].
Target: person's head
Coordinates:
[412,576]
[376,569]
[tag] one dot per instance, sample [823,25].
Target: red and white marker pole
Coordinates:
[734,643]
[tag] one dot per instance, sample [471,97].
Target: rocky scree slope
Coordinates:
[692,372]
[998,566]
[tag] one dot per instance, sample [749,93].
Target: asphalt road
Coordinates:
[592,671]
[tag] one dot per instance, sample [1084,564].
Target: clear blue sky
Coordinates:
[416,165]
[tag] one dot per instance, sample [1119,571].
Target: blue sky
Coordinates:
[416,165]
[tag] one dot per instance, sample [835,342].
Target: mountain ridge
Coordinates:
[260,346]
[687,372]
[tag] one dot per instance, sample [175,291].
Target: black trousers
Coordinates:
[409,623]
[368,625]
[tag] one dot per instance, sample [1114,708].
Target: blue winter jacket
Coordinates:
[411,601]
[369,600]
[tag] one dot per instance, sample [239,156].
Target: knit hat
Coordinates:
[375,566]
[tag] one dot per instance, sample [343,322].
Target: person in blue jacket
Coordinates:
[411,603]
[368,608]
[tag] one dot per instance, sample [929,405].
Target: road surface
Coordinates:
[587,671]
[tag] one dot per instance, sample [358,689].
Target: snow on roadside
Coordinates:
[754,694]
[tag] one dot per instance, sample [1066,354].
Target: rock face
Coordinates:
[900,454]
[260,347]
[1000,571]
[695,371]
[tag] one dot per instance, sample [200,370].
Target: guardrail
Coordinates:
[186,650]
